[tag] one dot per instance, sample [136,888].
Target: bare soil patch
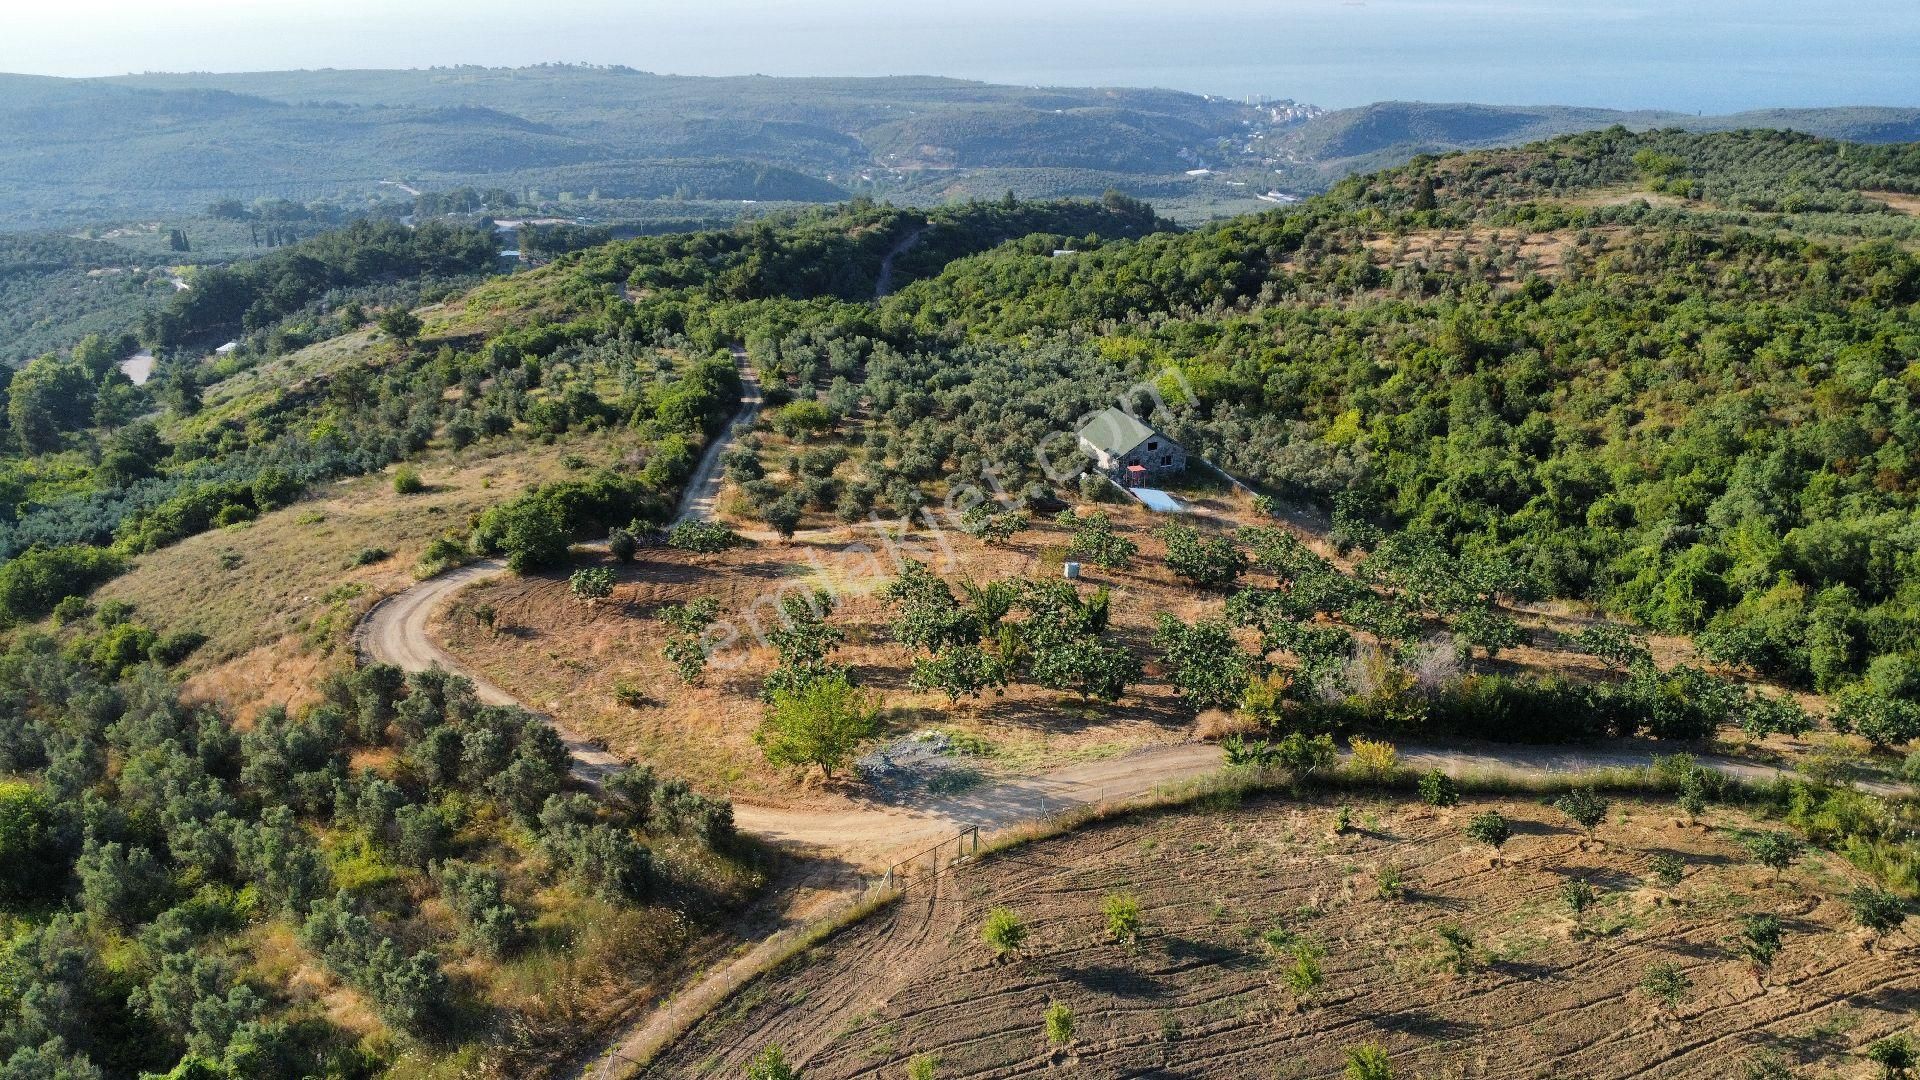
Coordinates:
[1901,201]
[1221,893]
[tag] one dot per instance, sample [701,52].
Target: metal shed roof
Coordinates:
[1115,431]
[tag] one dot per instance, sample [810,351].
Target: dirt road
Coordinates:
[883,283]
[697,499]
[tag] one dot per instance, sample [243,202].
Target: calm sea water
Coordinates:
[1711,55]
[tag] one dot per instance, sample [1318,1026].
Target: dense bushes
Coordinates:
[188,833]
[35,580]
[533,531]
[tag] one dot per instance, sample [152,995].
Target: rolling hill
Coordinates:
[86,151]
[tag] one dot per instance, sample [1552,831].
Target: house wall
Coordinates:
[1168,458]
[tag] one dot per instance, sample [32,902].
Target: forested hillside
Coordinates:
[1695,412]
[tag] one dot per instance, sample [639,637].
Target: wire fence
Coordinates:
[929,863]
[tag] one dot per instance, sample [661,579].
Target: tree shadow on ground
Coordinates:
[1426,1024]
[1122,982]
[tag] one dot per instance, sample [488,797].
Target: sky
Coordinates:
[1693,55]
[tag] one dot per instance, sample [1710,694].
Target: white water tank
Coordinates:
[1071,570]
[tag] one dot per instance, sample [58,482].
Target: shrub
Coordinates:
[409,992]
[369,556]
[1368,1062]
[771,1064]
[1692,797]
[1490,828]
[591,583]
[1304,973]
[72,609]
[1122,912]
[1667,869]
[406,481]
[1003,932]
[1584,808]
[1390,882]
[1059,1024]
[38,578]
[1579,896]
[1303,756]
[172,648]
[1876,909]
[1371,759]
[532,534]
[707,537]
[30,862]
[400,324]
[1759,939]
[1438,789]
[233,514]
[443,553]
[1774,850]
[1895,1056]
[622,545]
[1458,952]
[1765,1065]
[274,488]
[1666,983]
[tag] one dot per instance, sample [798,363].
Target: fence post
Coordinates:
[889,875]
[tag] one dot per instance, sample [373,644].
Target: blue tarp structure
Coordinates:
[1157,501]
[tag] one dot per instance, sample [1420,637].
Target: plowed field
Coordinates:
[1224,894]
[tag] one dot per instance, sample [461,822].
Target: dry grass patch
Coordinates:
[278,597]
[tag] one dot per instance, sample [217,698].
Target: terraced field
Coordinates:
[1225,894]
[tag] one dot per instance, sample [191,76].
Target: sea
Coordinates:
[1685,55]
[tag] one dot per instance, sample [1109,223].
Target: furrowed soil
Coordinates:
[1223,894]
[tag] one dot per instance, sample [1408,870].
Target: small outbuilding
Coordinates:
[1129,450]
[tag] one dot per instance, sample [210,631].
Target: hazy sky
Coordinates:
[1684,54]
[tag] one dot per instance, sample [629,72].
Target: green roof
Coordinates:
[1115,431]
